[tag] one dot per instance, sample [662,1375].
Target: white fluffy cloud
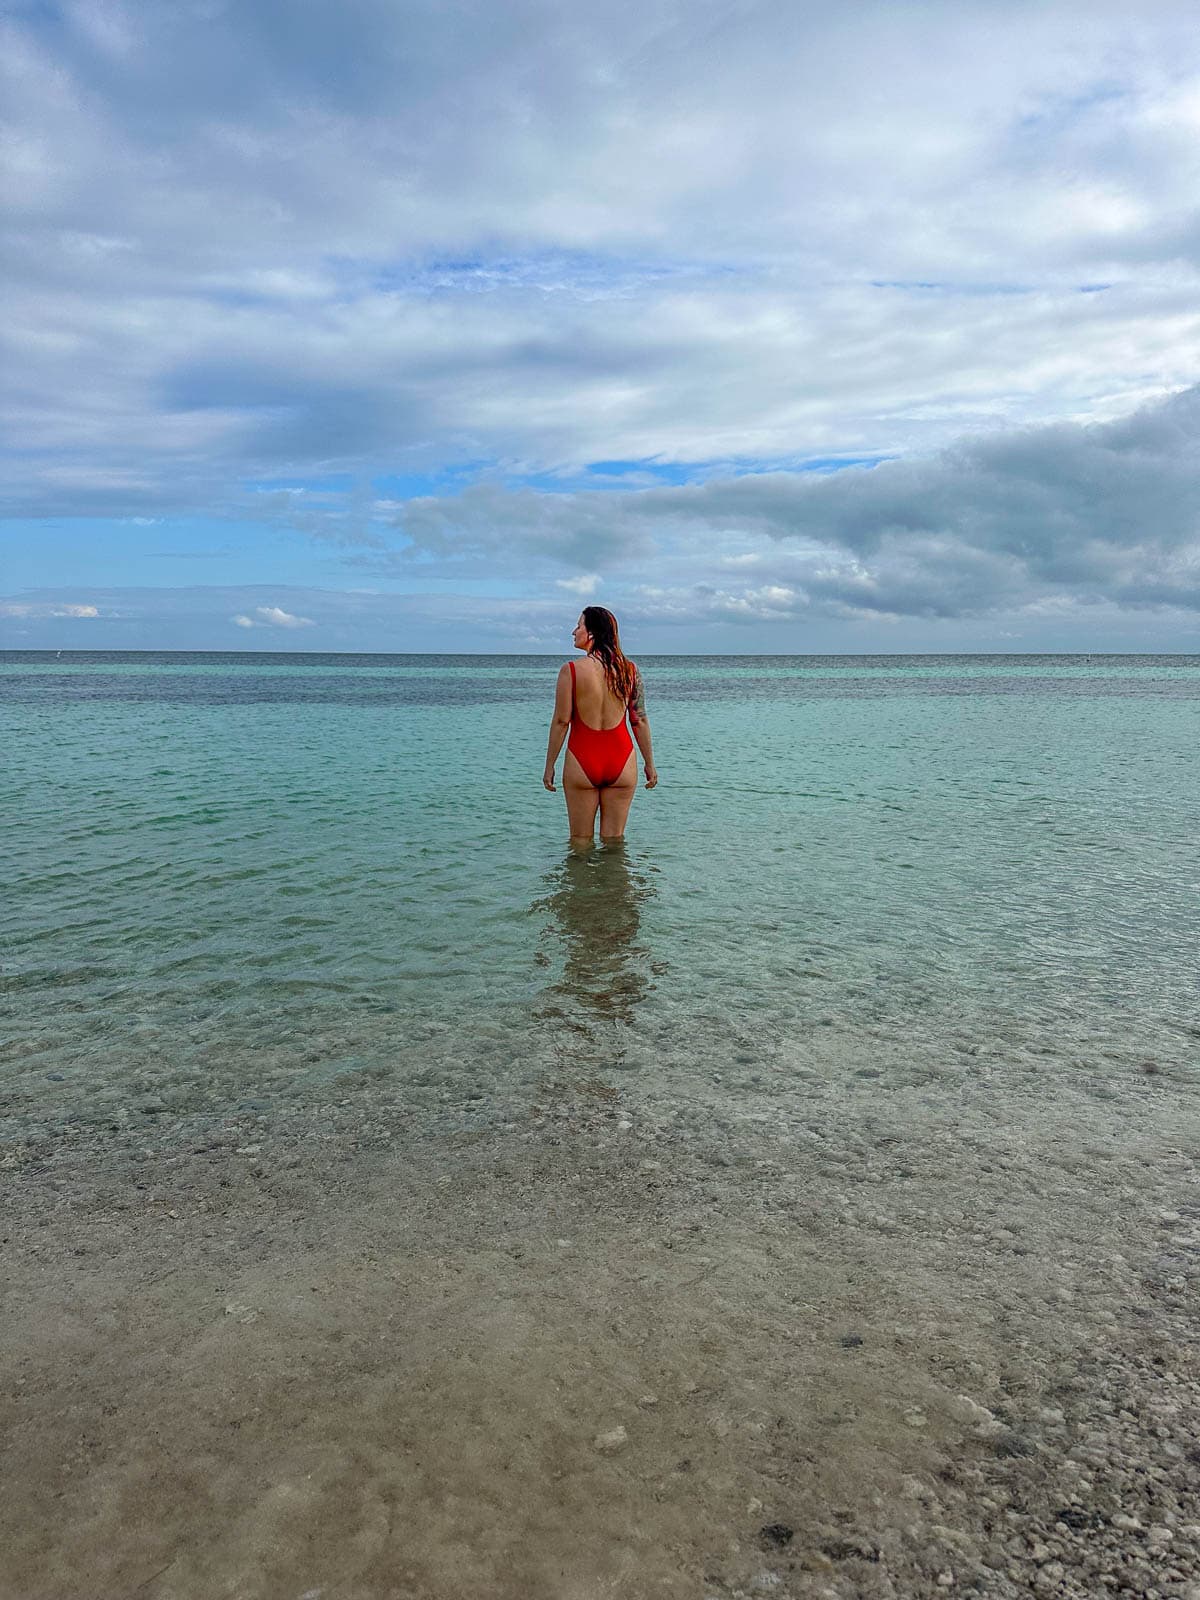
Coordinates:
[271,617]
[199,617]
[45,609]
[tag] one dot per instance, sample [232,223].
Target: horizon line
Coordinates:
[483,655]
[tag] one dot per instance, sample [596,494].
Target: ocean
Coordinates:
[237,875]
[799,1198]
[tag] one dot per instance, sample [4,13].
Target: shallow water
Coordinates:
[281,877]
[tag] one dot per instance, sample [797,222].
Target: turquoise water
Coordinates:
[291,877]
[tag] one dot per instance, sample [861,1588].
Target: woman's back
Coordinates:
[595,702]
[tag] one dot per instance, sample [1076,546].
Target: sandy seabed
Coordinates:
[927,1341]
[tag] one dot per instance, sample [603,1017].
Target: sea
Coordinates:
[283,880]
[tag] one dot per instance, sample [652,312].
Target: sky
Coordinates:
[384,325]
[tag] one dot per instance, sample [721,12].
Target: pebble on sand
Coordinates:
[615,1439]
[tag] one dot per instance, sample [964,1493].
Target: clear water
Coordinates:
[291,877]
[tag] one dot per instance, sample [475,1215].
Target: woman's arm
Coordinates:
[642,734]
[640,724]
[559,723]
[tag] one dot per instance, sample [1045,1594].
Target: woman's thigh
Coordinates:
[581,797]
[616,799]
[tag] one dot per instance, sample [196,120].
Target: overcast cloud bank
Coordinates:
[559,294]
[1100,513]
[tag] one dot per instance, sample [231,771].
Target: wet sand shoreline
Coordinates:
[608,1342]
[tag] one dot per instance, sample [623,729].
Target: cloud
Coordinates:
[283,619]
[198,617]
[271,617]
[14,608]
[457,331]
[1089,514]
[519,527]
[809,267]
[1107,512]
[685,613]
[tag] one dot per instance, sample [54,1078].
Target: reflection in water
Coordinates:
[594,902]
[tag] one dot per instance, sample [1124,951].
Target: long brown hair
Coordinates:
[619,672]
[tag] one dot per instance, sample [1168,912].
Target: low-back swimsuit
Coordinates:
[601,752]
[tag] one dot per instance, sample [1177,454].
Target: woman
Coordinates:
[591,703]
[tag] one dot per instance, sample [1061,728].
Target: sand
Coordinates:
[613,1340]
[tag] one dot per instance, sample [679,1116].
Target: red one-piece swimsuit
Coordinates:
[601,752]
